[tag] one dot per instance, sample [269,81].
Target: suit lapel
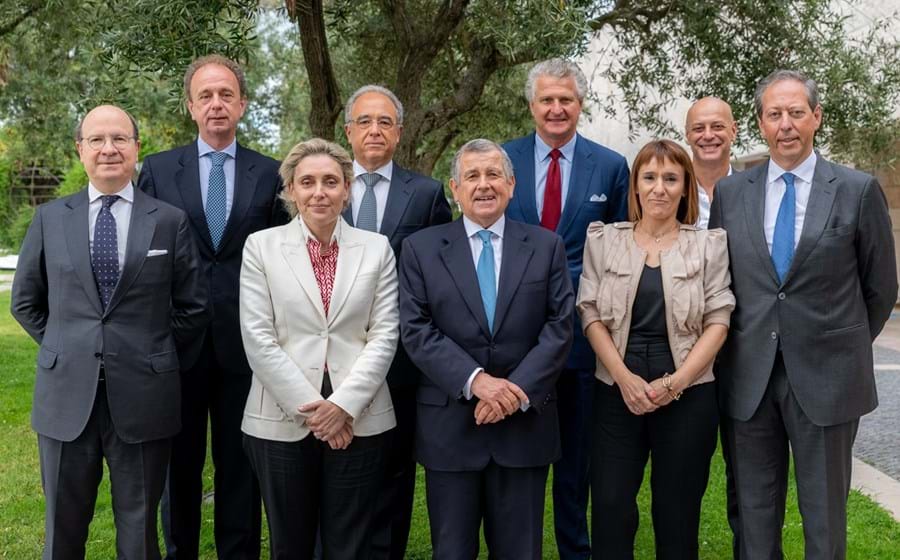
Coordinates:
[348,215]
[399,195]
[525,181]
[244,189]
[76,227]
[350,256]
[755,211]
[188,181]
[297,257]
[457,256]
[580,178]
[140,235]
[517,253]
[821,199]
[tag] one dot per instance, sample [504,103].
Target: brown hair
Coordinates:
[221,61]
[661,150]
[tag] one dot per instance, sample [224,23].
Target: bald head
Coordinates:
[107,143]
[710,130]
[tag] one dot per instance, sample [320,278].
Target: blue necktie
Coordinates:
[783,238]
[216,201]
[487,278]
[368,209]
[105,250]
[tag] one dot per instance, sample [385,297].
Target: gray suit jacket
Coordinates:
[158,306]
[834,301]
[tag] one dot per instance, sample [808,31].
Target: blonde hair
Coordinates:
[314,147]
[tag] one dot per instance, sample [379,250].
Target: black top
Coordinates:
[648,314]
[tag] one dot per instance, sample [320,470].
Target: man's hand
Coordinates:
[499,398]
[325,419]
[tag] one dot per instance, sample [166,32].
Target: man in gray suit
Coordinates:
[108,284]
[813,270]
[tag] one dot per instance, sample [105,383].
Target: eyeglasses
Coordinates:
[384,123]
[96,143]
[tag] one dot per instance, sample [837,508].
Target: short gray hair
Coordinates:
[812,90]
[480,146]
[199,63]
[303,150]
[556,68]
[371,88]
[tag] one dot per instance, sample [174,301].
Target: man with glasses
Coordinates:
[394,202]
[108,284]
[228,192]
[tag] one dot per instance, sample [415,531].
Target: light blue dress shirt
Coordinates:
[542,166]
[205,163]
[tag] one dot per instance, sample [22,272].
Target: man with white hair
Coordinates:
[565,182]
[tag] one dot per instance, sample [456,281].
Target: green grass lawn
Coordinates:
[872,534]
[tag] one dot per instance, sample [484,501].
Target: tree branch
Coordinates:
[396,13]
[628,15]
[426,161]
[11,25]
[325,95]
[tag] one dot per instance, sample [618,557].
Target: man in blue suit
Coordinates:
[565,182]
[486,306]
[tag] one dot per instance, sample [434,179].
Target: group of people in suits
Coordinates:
[331,326]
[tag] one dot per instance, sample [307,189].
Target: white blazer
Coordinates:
[289,340]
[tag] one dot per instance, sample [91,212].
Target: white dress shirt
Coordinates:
[705,203]
[381,188]
[121,211]
[542,161]
[775,188]
[205,163]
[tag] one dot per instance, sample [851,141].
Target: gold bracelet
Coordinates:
[667,384]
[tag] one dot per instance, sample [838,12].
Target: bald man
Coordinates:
[109,286]
[710,130]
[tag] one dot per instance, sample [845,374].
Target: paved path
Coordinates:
[878,441]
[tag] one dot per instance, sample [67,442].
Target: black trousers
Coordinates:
[209,391]
[71,472]
[307,487]
[680,437]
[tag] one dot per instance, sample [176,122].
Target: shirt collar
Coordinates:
[385,170]
[307,235]
[125,193]
[203,148]
[804,171]
[542,150]
[497,228]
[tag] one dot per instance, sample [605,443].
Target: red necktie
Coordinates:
[552,193]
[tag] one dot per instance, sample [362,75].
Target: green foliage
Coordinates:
[20,219]
[73,181]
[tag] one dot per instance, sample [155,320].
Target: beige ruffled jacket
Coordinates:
[695,277]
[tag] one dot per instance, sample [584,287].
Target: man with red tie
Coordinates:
[564,182]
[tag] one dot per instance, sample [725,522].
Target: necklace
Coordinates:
[661,236]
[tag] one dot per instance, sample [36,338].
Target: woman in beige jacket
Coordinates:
[655,304]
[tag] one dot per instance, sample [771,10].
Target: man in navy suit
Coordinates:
[565,182]
[228,192]
[486,305]
[395,202]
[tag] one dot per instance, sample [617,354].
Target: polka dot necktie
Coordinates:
[105,250]
[216,210]
[368,208]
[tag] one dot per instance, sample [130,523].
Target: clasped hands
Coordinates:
[497,398]
[642,397]
[329,423]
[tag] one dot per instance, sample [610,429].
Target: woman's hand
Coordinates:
[663,397]
[343,438]
[637,394]
[325,419]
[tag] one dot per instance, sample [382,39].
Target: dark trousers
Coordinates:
[394,503]
[209,391]
[822,463]
[679,437]
[731,504]
[309,488]
[71,472]
[509,500]
[571,473]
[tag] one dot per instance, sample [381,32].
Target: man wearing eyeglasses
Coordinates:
[396,203]
[228,192]
[108,284]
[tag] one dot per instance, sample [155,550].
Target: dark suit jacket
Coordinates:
[414,202]
[444,328]
[598,190]
[158,305]
[834,301]
[174,176]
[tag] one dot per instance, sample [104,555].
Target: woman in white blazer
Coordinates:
[319,320]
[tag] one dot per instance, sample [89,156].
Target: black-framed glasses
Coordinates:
[384,123]
[96,143]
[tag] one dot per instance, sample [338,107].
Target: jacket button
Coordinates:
[781,295]
[774,335]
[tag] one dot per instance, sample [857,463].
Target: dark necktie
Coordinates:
[552,193]
[216,198]
[105,251]
[783,238]
[368,208]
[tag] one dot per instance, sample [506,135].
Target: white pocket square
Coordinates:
[595,198]
[157,252]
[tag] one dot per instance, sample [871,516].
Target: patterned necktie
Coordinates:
[552,193]
[216,215]
[368,209]
[487,283]
[105,251]
[783,238]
